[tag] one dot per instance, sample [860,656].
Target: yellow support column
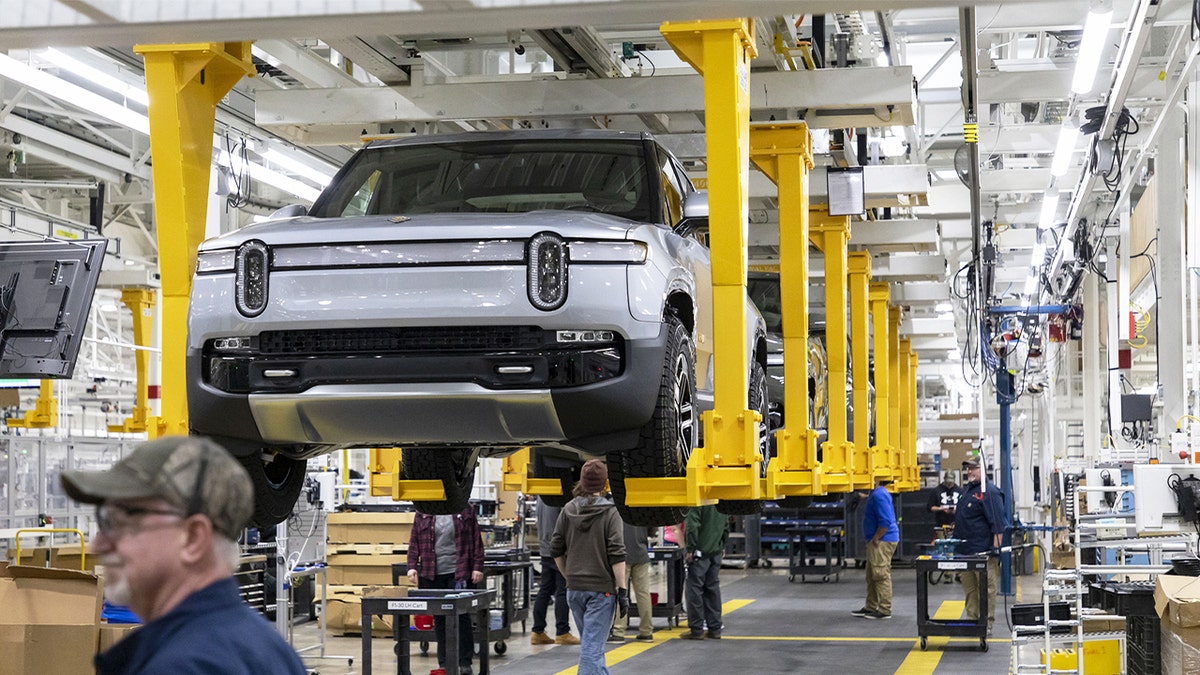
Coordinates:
[140,302]
[881,452]
[907,479]
[784,153]
[912,415]
[45,410]
[836,452]
[895,393]
[729,464]
[185,82]
[859,266]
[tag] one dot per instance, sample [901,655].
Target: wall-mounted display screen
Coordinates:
[46,290]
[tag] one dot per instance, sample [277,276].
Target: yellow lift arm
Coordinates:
[185,82]
[140,302]
[385,479]
[44,414]
[881,452]
[783,152]
[516,476]
[837,453]
[728,465]
[862,467]
[894,395]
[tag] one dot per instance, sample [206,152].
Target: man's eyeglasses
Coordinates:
[115,520]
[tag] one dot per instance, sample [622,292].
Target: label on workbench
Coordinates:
[407,604]
[952,566]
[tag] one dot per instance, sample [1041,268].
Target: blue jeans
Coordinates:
[593,616]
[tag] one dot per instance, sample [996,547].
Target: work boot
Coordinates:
[537,638]
[566,639]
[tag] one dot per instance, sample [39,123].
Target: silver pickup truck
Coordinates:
[462,296]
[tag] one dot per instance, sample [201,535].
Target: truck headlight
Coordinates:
[547,271]
[252,265]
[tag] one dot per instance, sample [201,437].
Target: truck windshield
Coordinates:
[493,177]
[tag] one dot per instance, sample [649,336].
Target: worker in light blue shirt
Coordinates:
[883,534]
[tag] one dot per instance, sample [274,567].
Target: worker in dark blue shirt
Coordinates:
[169,517]
[979,521]
[883,535]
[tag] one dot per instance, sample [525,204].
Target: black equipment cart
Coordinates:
[927,626]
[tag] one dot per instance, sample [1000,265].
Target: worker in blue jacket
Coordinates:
[883,535]
[980,521]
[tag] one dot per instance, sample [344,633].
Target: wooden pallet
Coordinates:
[366,549]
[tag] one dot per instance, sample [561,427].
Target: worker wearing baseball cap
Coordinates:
[979,521]
[169,516]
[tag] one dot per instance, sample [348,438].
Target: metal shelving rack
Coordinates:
[1069,583]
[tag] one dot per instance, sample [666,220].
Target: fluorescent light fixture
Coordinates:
[45,83]
[113,84]
[1031,284]
[1039,254]
[1091,46]
[1049,208]
[1067,136]
[262,174]
[295,166]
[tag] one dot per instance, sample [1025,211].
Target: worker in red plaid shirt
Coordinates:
[447,552]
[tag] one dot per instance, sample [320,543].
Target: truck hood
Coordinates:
[429,227]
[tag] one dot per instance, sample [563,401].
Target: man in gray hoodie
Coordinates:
[589,548]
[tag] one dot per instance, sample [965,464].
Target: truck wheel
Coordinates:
[668,438]
[454,467]
[277,481]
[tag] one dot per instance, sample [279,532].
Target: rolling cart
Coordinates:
[669,606]
[513,597]
[829,540]
[927,626]
[413,601]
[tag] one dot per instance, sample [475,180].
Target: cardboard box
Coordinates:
[361,570]
[112,633]
[343,615]
[63,557]
[1177,601]
[1103,625]
[1178,657]
[369,528]
[50,622]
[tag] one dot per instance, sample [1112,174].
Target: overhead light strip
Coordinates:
[1091,46]
[25,75]
[99,77]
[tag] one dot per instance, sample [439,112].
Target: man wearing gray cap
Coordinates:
[169,517]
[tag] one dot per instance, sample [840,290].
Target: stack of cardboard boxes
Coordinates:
[1177,601]
[50,622]
[360,551]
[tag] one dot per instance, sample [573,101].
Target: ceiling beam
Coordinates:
[166,21]
[870,91]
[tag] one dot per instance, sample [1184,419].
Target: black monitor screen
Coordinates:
[46,290]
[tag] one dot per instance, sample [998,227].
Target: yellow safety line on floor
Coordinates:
[615,656]
[922,662]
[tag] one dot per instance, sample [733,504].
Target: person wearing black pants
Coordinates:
[446,551]
[552,586]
